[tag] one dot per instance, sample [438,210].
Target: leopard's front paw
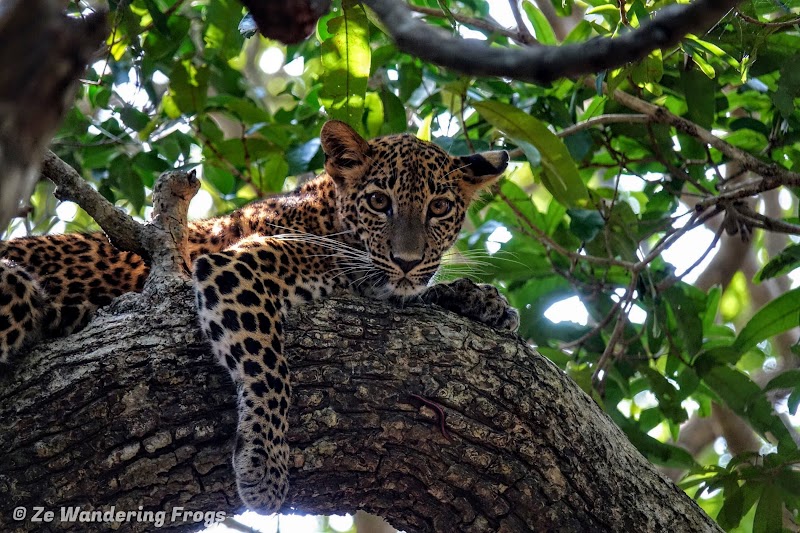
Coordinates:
[478,301]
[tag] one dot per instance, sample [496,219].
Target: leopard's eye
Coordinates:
[440,207]
[379,202]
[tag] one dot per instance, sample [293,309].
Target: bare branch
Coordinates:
[524,34]
[123,232]
[161,242]
[481,24]
[771,24]
[165,238]
[543,64]
[772,175]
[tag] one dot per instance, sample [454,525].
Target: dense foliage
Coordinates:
[595,195]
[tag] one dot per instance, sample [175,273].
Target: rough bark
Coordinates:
[132,411]
[42,53]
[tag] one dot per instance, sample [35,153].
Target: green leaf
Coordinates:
[541,26]
[749,140]
[700,93]
[769,512]
[649,70]
[133,118]
[220,178]
[374,116]
[688,307]
[656,451]
[271,173]
[128,181]
[779,315]
[159,20]
[394,113]
[560,175]
[788,87]
[697,57]
[221,35]
[746,399]
[732,509]
[300,156]
[188,87]
[346,60]
[424,130]
[579,33]
[585,223]
[788,379]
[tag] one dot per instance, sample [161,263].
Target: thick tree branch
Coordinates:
[146,418]
[42,53]
[543,64]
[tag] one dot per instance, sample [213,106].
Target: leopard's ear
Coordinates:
[346,152]
[483,169]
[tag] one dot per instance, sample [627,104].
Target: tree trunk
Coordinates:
[132,412]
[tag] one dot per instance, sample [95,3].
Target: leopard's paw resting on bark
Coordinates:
[478,301]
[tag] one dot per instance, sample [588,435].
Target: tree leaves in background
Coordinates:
[559,174]
[181,87]
[346,60]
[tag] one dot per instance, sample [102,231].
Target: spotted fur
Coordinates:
[376,222]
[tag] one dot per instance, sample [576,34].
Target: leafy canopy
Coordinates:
[595,194]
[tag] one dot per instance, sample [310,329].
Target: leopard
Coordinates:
[376,222]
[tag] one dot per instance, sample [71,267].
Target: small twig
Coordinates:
[235,171]
[469,21]
[672,235]
[764,222]
[172,193]
[623,15]
[780,24]
[595,330]
[773,175]
[611,118]
[522,29]
[619,327]
[671,280]
[550,243]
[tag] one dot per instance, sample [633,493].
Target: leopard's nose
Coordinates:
[405,265]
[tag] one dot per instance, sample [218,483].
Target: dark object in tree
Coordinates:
[42,53]
[288,21]
[133,411]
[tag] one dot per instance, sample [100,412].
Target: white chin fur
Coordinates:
[404,288]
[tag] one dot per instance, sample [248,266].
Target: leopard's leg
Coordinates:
[22,306]
[478,301]
[242,295]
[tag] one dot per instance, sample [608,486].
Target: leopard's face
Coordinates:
[404,200]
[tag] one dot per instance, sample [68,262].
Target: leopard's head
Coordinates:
[404,200]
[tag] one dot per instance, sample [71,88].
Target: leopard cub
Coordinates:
[375,222]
